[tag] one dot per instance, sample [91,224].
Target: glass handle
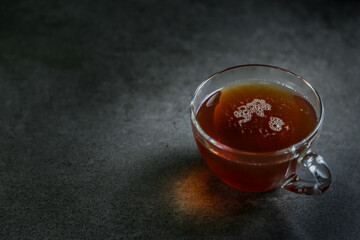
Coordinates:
[319,180]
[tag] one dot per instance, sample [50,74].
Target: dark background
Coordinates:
[95,138]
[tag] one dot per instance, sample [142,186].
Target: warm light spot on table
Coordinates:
[199,193]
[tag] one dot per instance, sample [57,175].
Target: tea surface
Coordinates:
[256,117]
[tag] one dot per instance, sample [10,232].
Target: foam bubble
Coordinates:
[257,106]
[276,124]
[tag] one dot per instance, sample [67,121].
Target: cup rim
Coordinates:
[282,151]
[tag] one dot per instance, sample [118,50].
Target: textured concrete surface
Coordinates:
[95,139]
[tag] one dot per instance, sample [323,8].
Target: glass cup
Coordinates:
[263,171]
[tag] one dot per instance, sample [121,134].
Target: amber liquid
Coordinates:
[257,118]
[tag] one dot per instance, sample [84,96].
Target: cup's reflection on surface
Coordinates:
[199,194]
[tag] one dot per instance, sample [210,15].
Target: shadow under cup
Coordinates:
[263,171]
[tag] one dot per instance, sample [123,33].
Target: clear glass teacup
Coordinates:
[259,171]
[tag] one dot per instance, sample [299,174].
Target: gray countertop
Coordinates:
[94,110]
